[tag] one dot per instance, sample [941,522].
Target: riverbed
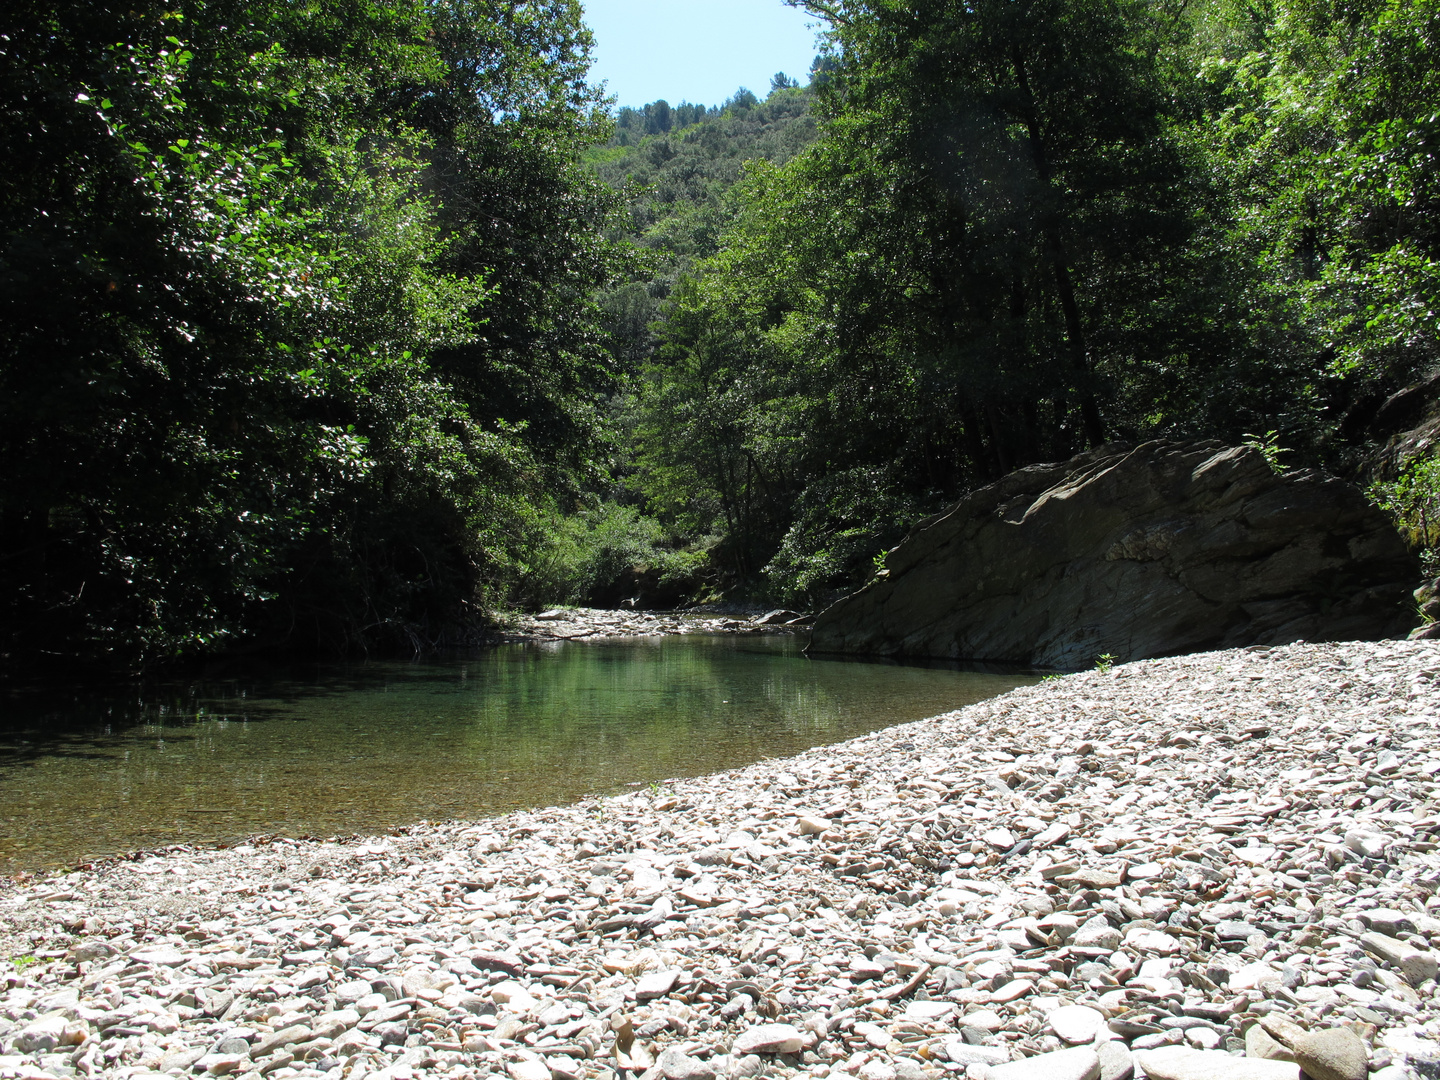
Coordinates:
[1144,871]
[338,749]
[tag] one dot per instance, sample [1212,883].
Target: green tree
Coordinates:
[1018,160]
[677,191]
[1320,118]
[507,124]
[226,256]
[933,293]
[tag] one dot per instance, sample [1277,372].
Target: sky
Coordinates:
[699,51]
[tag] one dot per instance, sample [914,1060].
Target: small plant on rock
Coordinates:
[1104,662]
[1269,447]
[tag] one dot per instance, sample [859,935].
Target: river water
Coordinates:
[339,749]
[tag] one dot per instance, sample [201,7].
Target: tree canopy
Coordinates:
[340,325]
[1029,226]
[297,322]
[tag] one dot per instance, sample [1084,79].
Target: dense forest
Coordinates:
[349,325]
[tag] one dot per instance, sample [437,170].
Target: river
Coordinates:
[345,748]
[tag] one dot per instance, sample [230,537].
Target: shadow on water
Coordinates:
[360,747]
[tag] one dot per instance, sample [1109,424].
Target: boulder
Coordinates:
[768,1039]
[1156,550]
[1332,1054]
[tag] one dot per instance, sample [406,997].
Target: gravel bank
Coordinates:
[588,624]
[1205,867]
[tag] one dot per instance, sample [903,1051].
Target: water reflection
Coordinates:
[362,747]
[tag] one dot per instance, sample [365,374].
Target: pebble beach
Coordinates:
[1213,866]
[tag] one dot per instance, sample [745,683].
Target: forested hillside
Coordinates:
[342,326]
[675,170]
[676,184]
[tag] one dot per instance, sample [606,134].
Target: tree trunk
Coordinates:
[975,442]
[1059,260]
[997,437]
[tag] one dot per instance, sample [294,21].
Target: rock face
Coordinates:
[1163,549]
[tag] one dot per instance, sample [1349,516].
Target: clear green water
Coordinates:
[359,748]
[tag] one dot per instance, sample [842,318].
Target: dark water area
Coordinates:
[338,749]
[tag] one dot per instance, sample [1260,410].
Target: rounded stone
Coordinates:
[928,1011]
[528,1069]
[1333,1054]
[768,1039]
[1076,1063]
[984,1019]
[1181,1063]
[1076,1024]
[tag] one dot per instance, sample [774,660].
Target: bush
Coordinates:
[1413,500]
[843,526]
[585,556]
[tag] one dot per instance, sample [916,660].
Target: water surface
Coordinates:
[362,747]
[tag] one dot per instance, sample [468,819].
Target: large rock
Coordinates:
[1162,549]
[1076,1063]
[768,1039]
[1179,1063]
[1332,1054]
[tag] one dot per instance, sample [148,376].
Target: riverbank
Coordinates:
[1140,866]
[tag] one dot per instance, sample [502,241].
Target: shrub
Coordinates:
[586,553]
[1413,500]
[840,523]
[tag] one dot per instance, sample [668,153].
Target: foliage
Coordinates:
[1413,500]
[680,193]
[1269,447]
[508,125]
[1027,227]
[1009,173]
[677,186]
[657,118]
[837,524]
[1318,120]
[911,304]
[592,549]
[234,251]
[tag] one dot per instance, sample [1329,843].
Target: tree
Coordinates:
[1321,120]
[677,189]
[229,245]
[1028,150]
[508,122]
[740,100]
[936,291]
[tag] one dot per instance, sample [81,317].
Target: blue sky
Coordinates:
[696,50]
